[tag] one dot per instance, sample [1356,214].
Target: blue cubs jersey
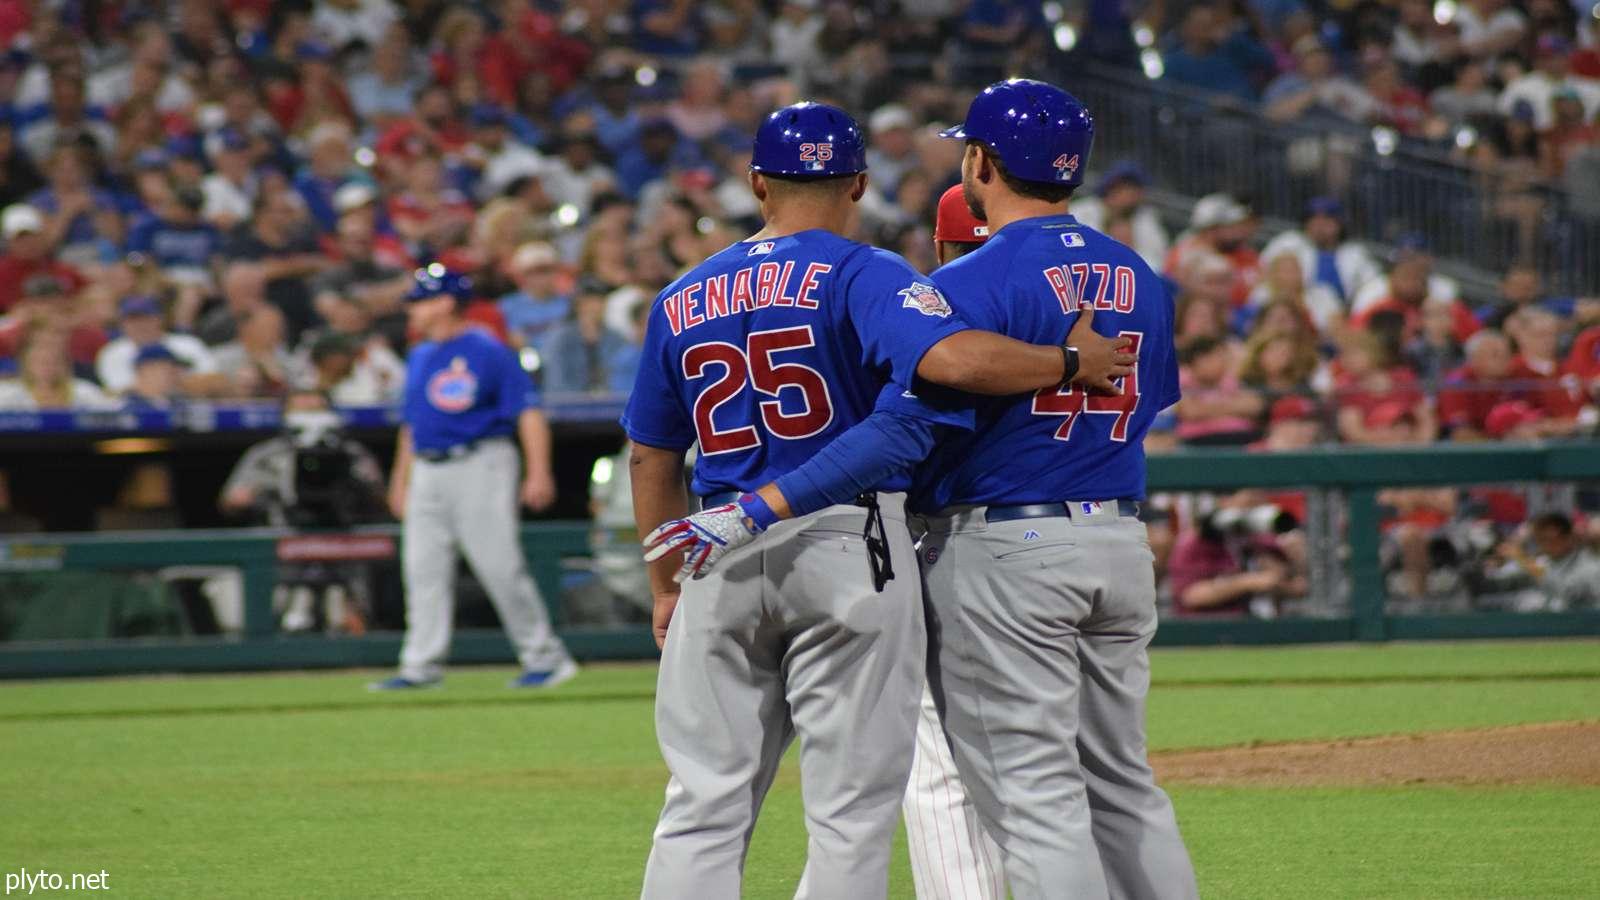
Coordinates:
[465,389]
[1055,444]
[769,349]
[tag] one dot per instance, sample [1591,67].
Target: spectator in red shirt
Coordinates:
[1373,395]
[28,255]
[1203,305]
[1408,290]
[45,304]
[428,212]
[1236,561]
[1400,106]
[1569,136]
[1222,225]
[1473,390]
[1537,366]
[463,46]
[1216,408]
[1583,362]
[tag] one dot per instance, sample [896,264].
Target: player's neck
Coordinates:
[806,218]
[447,329]
[1003,210]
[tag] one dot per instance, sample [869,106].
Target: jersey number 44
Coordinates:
[1072,401]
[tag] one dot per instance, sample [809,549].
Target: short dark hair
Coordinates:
[1196,347]
[958,249]
[1561,522]
[806,185]
[1048,191]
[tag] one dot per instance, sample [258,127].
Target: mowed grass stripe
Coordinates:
[1177,668]
[557,800]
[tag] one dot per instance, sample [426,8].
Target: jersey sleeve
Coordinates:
[899,433]
[655,415]
[515,392]
[1170,391]
[897,313]
[968,290]
[415,390]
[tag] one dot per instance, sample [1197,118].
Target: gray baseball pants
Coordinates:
[469,503]
[786,638]
[1039,630]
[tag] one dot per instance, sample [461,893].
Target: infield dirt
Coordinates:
[1552,753]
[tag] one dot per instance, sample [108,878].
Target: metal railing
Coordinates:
[1193,143]
[1359,474]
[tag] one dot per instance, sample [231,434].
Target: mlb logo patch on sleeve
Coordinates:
[925,299]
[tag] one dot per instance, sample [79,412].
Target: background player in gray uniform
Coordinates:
[762,355]
[952,855]
[456,486]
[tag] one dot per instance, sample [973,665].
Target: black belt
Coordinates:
[723,498]
[1052,510]
[449,453]
[879,564]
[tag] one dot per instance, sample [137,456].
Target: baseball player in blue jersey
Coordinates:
[1038,573]
[455,486]
[763,355]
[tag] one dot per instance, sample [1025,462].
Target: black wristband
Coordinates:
[1069,364]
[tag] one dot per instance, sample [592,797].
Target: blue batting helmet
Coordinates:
[432,280]
[809,140]
[1041,132]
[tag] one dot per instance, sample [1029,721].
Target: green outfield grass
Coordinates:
[303,785]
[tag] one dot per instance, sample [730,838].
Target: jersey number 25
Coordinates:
[754,365]
[1072,401]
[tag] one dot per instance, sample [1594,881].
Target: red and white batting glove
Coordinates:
[704,538]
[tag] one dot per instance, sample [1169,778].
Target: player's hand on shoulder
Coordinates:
[1101,359]
[704,538]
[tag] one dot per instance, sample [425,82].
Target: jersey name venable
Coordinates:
[746,290]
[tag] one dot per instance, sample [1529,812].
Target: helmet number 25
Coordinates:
[816,152]
[754,365]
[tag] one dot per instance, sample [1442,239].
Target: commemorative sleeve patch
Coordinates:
[925,299]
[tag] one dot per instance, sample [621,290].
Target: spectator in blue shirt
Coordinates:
[665,27]
[157,374]
[616,120]
[382,94]
[176,239]
[537,305]
[328,170]
[623,366]
[78,215]
[1212,58]
[577,355]
[657,151]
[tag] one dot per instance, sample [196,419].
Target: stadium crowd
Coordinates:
[224,201]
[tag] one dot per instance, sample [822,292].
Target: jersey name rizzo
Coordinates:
[1069,282]
[746,290]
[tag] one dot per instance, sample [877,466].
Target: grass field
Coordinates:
[304,785]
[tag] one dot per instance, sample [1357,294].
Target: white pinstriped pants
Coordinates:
[952,856]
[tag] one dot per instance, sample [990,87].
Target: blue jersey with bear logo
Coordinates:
[464,389]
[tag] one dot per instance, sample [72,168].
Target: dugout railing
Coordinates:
[1355,474]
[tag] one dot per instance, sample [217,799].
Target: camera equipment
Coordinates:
[326,492]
